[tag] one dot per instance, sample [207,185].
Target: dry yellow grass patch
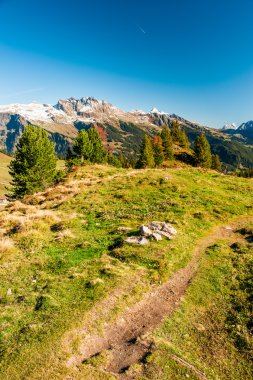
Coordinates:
[6,246]
[64,234]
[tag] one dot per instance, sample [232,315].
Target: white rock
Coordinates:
[9,292]
[143,241]
[137,240]
[168,228]
[157,236]
[166,234]
[132,239]
[145,230]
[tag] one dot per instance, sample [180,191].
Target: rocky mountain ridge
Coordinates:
[125,130]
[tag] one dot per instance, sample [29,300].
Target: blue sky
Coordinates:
[193,58]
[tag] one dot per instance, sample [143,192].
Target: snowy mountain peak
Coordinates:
[230,126]
[157,112]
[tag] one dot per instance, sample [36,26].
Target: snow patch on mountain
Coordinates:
[230,126]
[34,111]
[156,111]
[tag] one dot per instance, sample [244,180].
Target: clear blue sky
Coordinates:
[190,57]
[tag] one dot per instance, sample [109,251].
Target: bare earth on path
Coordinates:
[126,341]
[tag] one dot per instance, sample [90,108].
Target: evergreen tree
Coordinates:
[34,165]
[114,160]
[175,132]
[202,151]
[83,146]
[158,150]
[216,164]
[146,159]
[183,140]
[167,143]
[98,154]
[179,136]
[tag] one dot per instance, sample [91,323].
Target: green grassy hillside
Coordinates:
[66,272]
[4,175]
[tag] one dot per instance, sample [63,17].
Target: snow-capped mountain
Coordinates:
[246,126]
[229,126]
[64,119]
[125,130]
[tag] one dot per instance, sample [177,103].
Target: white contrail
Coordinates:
[142,30]
[29,91]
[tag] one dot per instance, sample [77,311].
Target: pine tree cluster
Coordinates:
[87,147]
[34,165]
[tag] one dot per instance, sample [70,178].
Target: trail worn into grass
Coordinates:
[126,341]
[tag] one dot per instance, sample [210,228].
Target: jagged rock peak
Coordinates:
[246,126]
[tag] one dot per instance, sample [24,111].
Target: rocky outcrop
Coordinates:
[153,231]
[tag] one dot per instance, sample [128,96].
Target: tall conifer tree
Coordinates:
[146,159]
[216,164]
[34,165]
[202,151]
[98,154]
[83,146]
[158,150]
[167,143]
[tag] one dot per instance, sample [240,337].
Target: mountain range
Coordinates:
[125,130]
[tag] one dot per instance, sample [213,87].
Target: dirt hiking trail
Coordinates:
[126,340]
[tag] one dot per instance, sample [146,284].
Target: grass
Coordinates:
[212,329]
[4,175]
[68,255]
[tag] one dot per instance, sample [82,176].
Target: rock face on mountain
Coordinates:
[124,130]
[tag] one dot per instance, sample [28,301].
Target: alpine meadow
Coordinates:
[126,235]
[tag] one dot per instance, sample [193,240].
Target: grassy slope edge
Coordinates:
[62,254]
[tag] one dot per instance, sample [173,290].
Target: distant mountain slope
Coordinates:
[125,129]
[244,133]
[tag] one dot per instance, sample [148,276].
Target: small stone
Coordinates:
[156,236]
[124,229]
[168,228]
[145,230]
[132,239]
[166,234]
[143,241]
[156,225]
[137,240]
[9,292]
[200,327]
